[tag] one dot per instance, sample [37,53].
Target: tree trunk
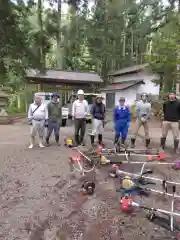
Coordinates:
[41,35]
[60,55]
[2,72]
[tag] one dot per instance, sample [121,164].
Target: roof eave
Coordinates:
[124,73]
[140,82]
[48,80]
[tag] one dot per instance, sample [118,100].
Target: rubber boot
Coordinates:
[123,143]
[176,144]
[100,139]
[92,139]
[117,144]
[47,141]
[116,139]
[82,143]
[147,142]
[57,140]
[77,140]
[133,142]
[163,141]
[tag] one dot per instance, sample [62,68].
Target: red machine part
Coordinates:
[126,204]
[99,149]
[160,157]
[75,157]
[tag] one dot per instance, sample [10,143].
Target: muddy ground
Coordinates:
[41,199]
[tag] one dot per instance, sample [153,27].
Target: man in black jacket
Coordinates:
[171,111]
[98,114]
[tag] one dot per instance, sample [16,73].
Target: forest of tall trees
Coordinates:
[93,35]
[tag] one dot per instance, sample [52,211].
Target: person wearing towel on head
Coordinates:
[79,114]
[37,115]
[98,114]
[122,118]
[55,117]
[143,113]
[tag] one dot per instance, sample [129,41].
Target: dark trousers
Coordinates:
[80,125]
[53,126]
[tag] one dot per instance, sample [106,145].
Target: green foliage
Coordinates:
[165,53]
[112,35]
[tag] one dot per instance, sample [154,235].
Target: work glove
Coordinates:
[128,125]
[46,123]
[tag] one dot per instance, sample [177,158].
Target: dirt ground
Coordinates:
[41,199]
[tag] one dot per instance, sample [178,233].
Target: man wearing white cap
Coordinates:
[79,113]
[38,116]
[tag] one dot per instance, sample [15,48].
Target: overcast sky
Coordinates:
[65,5]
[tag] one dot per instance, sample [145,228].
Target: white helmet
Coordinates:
[80,92]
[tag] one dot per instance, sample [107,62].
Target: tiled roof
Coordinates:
[130,69]
[65,75]
[121,86]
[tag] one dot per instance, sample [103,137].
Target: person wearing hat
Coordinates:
[143,112]
[122,118]
[37,116]
[98,113]
[79,113]
[171,113]
[55,117]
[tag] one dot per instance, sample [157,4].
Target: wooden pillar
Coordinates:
[177,88]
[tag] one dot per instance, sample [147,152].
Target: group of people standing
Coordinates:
[41,116]
[171,117]
[49,116]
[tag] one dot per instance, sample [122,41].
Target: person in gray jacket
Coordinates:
[143,112]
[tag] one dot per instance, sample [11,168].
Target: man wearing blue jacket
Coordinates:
[122,118]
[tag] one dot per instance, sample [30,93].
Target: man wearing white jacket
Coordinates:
[79,113]
[38,116]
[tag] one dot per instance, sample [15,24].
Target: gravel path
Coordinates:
[40,197]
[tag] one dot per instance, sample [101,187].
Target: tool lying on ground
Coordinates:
[115,169]
[127,153]
[150,157]
[78,161]
[68,142]
[134,186]
[115,172]
[127,205]
[88,187]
